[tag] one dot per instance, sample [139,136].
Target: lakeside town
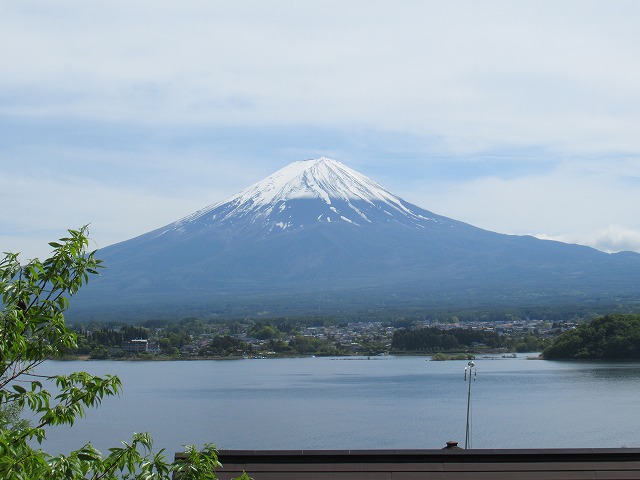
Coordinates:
[194,338]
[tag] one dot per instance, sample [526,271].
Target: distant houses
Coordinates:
[244,339]
[140,345]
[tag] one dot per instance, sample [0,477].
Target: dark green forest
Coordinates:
[610,337]
[434,339]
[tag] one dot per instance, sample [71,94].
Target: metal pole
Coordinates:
[467,439]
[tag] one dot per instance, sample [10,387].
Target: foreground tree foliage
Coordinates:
[608,337]
[32,330]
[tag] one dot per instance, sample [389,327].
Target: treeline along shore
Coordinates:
[611,336]
[608,338]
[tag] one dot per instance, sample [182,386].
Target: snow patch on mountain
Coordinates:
[339,192]
[320,178]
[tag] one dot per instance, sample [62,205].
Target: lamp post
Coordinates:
[473,372]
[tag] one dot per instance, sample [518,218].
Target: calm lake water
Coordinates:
[360,403]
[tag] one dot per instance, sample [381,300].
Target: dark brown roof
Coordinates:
[445,464]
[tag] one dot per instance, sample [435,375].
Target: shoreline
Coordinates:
[164,358]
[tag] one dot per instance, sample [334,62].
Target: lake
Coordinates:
[359,403]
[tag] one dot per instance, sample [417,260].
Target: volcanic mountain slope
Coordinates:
[317,236]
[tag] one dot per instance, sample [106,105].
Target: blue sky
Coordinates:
[517,117]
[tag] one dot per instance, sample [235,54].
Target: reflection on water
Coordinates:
[384,402]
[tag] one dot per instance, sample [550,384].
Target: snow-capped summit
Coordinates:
[321,178]
[307,192]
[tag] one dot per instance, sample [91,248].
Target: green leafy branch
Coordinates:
[34,297]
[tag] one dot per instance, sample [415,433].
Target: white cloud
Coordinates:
[611,239]
[569,203]
[476,74]
[120,195]
[114,214]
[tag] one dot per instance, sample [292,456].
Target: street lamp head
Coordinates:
[471,364]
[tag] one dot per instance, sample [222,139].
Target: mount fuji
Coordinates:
[317,237]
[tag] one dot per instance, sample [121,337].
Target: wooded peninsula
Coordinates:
[609,337]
